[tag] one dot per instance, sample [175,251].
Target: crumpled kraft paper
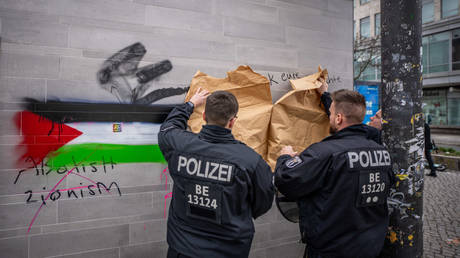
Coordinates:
[252,91]
[298,118]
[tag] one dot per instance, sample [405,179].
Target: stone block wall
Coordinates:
[54,52]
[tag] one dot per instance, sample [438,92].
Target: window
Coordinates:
[424,55]
[435,55]
[456,50]
[364,27]
[378,67]
[427,11]
[435,105]
[442,105]
[364,1]
[354,30]
[449,8]
[453,104]
[377,24]
[372,70]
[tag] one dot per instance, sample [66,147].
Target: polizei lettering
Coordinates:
[371,158]
[205,169]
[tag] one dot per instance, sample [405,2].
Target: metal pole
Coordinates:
[403,123]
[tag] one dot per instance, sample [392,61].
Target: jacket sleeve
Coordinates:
[263,189]
[327,101]
[299,176]
[427,135]
[173,128]
[374,134]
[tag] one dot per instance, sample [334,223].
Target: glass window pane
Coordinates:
[368,74]
[354,30]
[364,27]
[377,24]
[378,68]
[425,55]
[435,105]
[438,56]
[449,8]
[453,103]
[456,50]
[427,11]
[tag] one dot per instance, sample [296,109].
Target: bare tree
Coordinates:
[366,54]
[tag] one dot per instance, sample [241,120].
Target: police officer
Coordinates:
[341,185]
[220,184]
[375,125]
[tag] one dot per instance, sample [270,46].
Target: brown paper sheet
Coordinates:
[311,81]
[255,103]
[297,119]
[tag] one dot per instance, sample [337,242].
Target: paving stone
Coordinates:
[441,215]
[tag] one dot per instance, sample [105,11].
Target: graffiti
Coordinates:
[83,127]
[43,169]
[60,112]
[49,195]
[333,80]
[290,76]
[282,77]
[121,75]
[270,77]
[277,78]
[56,194]
[82,138]
[168,195]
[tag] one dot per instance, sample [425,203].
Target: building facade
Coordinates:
[84,60]
[440,56]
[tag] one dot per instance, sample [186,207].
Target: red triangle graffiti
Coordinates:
[40,137]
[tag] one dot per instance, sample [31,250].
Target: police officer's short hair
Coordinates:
[221,106]
[351,104]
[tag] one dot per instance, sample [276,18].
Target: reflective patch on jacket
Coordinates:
[293,162]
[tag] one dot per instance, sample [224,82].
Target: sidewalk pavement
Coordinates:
[441,213]
[446,140]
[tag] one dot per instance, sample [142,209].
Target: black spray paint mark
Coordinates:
[122,63]
[120,72]
[334,79]
[270,77]
[160,94]
[66,112]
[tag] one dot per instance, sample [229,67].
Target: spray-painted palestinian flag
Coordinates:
[70,133]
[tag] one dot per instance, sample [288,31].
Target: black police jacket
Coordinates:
[341,185]
[220,185]
[427,134]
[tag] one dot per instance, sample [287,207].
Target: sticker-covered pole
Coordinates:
[403,124]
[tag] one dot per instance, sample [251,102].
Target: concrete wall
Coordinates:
[53,49]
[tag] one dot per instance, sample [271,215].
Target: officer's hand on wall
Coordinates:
[323,88]
[199,97]
[376,120]
[287,150]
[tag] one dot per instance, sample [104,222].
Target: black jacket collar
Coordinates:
[216,134]
[352,130]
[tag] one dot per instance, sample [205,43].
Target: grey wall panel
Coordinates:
[52,50]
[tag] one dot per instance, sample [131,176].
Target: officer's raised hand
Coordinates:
[199,97]
[323,88]
[288,150]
